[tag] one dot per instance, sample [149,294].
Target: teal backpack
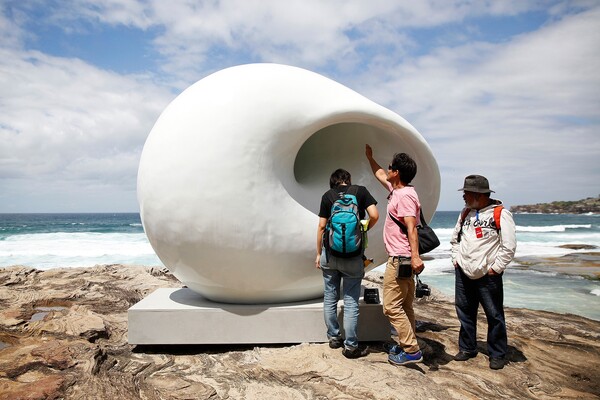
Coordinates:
[343,233]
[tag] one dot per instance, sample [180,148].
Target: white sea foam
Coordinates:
[444,232]
[552,228]
[595,292]
[49,250]
[534,272]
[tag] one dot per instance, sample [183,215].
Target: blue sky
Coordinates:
[508,88]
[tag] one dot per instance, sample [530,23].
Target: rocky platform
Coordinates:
[63,335]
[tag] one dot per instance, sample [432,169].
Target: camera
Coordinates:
[371,296]
[422,289]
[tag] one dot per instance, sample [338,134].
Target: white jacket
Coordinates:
[495,249]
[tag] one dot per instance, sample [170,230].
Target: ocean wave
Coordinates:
[551,228]
[443,231]
[137,224]
[76,249]
[595,292]
[518,270]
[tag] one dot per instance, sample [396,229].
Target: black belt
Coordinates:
[398,258]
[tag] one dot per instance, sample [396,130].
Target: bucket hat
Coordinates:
[476,184]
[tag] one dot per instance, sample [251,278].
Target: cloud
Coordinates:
[61,109]
[526,103]
[523,111]
[64,119]
[195,38]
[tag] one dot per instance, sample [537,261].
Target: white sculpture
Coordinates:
[231,177]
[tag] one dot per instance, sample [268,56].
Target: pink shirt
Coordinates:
[401,203]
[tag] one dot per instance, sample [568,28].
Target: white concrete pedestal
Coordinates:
[181,316]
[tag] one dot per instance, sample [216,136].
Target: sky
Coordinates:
[509,89]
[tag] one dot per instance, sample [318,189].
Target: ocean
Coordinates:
[47,241]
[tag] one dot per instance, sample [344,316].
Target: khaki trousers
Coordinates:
[398,296]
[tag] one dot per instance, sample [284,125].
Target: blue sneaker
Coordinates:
[404,358]
[392,348]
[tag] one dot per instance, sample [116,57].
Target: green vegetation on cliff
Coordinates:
[585,206]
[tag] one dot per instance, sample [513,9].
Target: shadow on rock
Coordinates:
[434,353]
[424,326]
[190,350]
[514,355]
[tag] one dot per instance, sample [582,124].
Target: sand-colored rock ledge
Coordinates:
[63,336]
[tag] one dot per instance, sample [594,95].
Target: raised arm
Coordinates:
[379,172]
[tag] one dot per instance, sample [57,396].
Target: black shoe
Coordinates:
[351,352]
[336,342]
[496,363]
[464,355]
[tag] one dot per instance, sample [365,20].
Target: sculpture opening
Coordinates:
[342,145]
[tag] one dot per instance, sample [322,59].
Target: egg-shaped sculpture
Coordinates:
[232,173]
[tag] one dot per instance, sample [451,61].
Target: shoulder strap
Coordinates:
[423,222]
[463,215]
[332,195]
[402,226]
[497,213]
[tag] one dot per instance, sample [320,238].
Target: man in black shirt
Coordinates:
[339,271]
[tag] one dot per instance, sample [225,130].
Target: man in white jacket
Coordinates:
[483,244]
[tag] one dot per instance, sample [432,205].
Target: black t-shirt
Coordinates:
[363,197]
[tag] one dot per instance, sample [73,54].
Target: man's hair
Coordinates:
[406,166]
[339,177]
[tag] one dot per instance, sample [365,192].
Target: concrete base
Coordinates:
[181,316]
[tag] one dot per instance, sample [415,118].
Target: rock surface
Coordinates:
[585,264]
[63,335]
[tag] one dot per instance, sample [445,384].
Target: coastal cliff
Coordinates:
[63,335]
[585,206]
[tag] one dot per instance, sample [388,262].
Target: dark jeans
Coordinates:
[488,292]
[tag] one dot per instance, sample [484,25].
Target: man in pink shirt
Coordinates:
[404,260]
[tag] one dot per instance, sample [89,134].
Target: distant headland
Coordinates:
[585,206]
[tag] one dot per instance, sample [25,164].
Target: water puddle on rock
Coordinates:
[3,345]
[43,311]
